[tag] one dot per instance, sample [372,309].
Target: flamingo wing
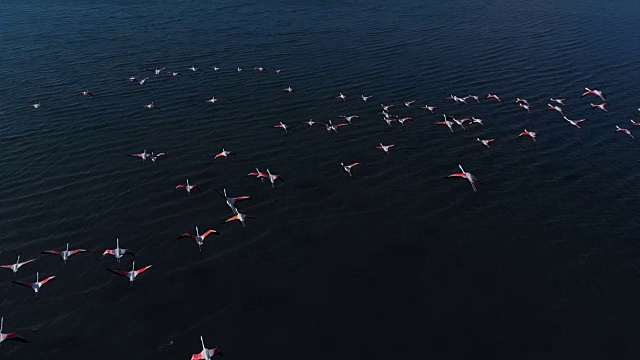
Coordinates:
[47,280]
[23,283]
[120,272]
[209,232]
[14,337]
[140,271]
[52,252]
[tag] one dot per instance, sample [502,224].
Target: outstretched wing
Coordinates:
[120,272]
[140,271]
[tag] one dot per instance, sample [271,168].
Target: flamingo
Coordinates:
[131,275]
[493,96]
[240,217]
[347,168]
[365,98]
[86,93]
[17,265]
[485,142]
[408,103]
[574,122]
[467,175]
[155,157]
[430,108]
[9,336]
[152,106]
[530,134]
[385,148]
[289,89]
[156,70]
[626,131]
[282,126]
[445,122]
[143,155]
[231,201]
[206,354]
[224,153]
[188,187]
[556,108]
[118,252]
[198,238]
[598,93]
[341,96]
[273,177]
[600,106]
[36,286]
[559,101]
[65,254]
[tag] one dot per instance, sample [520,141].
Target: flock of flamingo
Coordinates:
[449,121]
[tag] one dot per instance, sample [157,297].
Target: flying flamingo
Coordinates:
[9,336]
[472,179]
[598,93]
[188,187]
[445,122]
[224,153]
[212,100]
[559,101]
[152,106]
[282,126]
[310,122]
[143,155]
[36,105]
[408,103]
[118,252]
[36,285]
[131,275]
[273,178]
[206,354]
[65,254]
[530,134]
[17,265]
[193,68]
[430,108]
[474,97]
[258,174]
[365,98]
[288,89]
[240,217]
[86,93]
[155,157]
[600,106]
[476,120]
[556,108]
[231,201]
[485,142]
[342,96]
[347,168]
[493,96]
[156,70]
[635,123]
[626,131]
[197,237]
[385,148]
[574,122]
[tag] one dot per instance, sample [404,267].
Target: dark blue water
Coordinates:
[396,262]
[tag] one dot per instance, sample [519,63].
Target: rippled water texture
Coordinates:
[396,262]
